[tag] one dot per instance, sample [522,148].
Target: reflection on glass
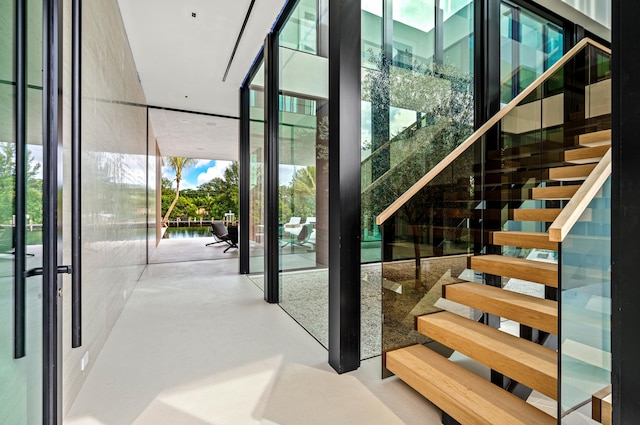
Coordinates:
[429,239]
[417,100]
[303,171]
[21,379]
[256,164]
[529,45]
[300,32]
[585,344]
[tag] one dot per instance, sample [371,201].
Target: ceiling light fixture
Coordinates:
[193,14]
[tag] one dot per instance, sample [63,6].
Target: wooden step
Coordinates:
[545,215]
[597,138]
[519,268]
[523,240]
[537,313]
[466,397]
[601,407]
[586,155]
[527,362]
[554,192]
[571,173]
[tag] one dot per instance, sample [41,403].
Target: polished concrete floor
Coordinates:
[196,344]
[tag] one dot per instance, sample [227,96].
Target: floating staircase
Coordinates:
[466,397]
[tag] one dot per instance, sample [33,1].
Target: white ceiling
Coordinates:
[181,61]
[194,135]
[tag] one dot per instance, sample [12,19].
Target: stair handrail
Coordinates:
[420,184]
[580,201]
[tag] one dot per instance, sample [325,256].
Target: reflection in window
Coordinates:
[529,45]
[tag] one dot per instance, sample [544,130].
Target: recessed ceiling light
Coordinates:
[211,124]
[200,149]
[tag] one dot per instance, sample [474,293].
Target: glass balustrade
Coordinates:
[499,179]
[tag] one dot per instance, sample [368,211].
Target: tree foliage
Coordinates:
[178,165]
[208,201]
[8,185]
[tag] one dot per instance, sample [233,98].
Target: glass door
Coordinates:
[21,213]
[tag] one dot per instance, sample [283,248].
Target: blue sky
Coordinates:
[204,171]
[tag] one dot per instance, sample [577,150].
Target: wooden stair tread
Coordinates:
[554,192]
[466,397]
[546,215]
[571,173]
[596,138]
[527,362]
[529,270]
[523,240]
[601,406]
[537,313]
[586,155]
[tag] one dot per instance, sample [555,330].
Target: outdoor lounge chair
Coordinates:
[296,230]
[305,236]
[215,236]
[294,223]
[221,234]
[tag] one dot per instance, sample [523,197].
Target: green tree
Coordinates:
[178,165]
[8,184]
[223,194]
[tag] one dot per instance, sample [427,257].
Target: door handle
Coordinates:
[39,271]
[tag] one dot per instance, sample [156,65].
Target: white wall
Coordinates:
[115,183]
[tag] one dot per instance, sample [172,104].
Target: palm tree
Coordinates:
[178,165]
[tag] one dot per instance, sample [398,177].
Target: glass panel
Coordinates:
[256,185]
[435,238]
[458,38]
[21,379]
[417,105]
[413,33]
[300,32]
[585,362]
[529,46]
[304,178]
[412,113]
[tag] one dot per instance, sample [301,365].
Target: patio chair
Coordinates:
[305,236]
[296,230]
[215,236]
[294,223]
[221,234]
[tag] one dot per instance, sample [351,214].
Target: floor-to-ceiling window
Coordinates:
[529,45]
[21,306]
[257,170]
[417,106]
[303,172]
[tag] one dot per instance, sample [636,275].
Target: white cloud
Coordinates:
[185,184]
[212,172]
[202,163]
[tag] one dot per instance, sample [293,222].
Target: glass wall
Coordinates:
[529,45]
[585,346]
[417,99]
[256,164]
[20,379]
[417,105]
[303,169]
